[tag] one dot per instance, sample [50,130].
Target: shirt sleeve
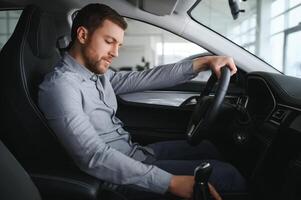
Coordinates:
[157,77]
[61,104]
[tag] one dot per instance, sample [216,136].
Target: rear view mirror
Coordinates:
[234,7]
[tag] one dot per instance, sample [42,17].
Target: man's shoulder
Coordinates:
[61,76]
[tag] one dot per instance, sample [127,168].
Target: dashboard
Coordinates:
[274,97]
[274,104]
[261,99]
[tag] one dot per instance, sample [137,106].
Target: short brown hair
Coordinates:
[92,16]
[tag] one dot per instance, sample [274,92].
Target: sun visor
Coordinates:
[156,7]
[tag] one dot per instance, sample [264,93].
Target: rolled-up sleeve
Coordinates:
[157,77]
[61,104]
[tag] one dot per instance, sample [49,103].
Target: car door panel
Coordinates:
[160,114]
[153,122]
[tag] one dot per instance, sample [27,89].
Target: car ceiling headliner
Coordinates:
[62,6]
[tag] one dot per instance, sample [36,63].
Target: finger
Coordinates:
[214,193]
[232,66]
[217,72]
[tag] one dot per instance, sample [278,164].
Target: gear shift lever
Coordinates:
[201,177]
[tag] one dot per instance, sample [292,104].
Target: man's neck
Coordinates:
[76,54]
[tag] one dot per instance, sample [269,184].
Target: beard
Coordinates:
[99,66]
[95,64]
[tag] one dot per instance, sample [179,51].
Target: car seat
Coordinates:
[15,183]
[27,56]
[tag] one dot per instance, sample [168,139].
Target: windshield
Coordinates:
[270,29]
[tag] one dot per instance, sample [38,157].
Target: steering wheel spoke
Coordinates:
[207,107]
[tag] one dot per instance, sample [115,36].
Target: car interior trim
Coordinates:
[270,91]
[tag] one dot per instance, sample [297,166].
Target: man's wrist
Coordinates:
[200,64]
[181,186]
[171,184]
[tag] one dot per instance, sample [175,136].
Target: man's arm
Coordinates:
[167,75]
[157,77]
[62,106]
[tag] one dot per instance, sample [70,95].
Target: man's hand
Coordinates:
[215,63]
[182,186]
[214,193]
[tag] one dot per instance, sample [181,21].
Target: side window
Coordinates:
[146,46]
[8,22]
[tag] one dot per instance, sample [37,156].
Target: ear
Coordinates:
[82,34]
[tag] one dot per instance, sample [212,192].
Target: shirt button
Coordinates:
[94,77]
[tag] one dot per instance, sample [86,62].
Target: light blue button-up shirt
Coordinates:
[81,106]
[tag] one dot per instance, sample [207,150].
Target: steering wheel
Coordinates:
[207,108]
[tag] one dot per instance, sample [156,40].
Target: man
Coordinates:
[79,102]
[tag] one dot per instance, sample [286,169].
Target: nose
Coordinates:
[114,51]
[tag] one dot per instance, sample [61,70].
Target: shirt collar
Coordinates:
[78,68]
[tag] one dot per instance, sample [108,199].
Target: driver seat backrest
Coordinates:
[28,55]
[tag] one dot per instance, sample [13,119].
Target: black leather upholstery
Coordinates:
[15,183]
[27,56]
[66,185]
[26,133]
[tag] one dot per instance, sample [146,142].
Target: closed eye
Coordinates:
[109,41]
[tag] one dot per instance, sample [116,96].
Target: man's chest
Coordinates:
[98,99]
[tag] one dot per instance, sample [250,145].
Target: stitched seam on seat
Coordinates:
[23,75]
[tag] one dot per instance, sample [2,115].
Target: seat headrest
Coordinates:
[42,35]
[62,43]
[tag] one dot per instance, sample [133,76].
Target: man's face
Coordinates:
[101,46]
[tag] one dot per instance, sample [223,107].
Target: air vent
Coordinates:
[278,115]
